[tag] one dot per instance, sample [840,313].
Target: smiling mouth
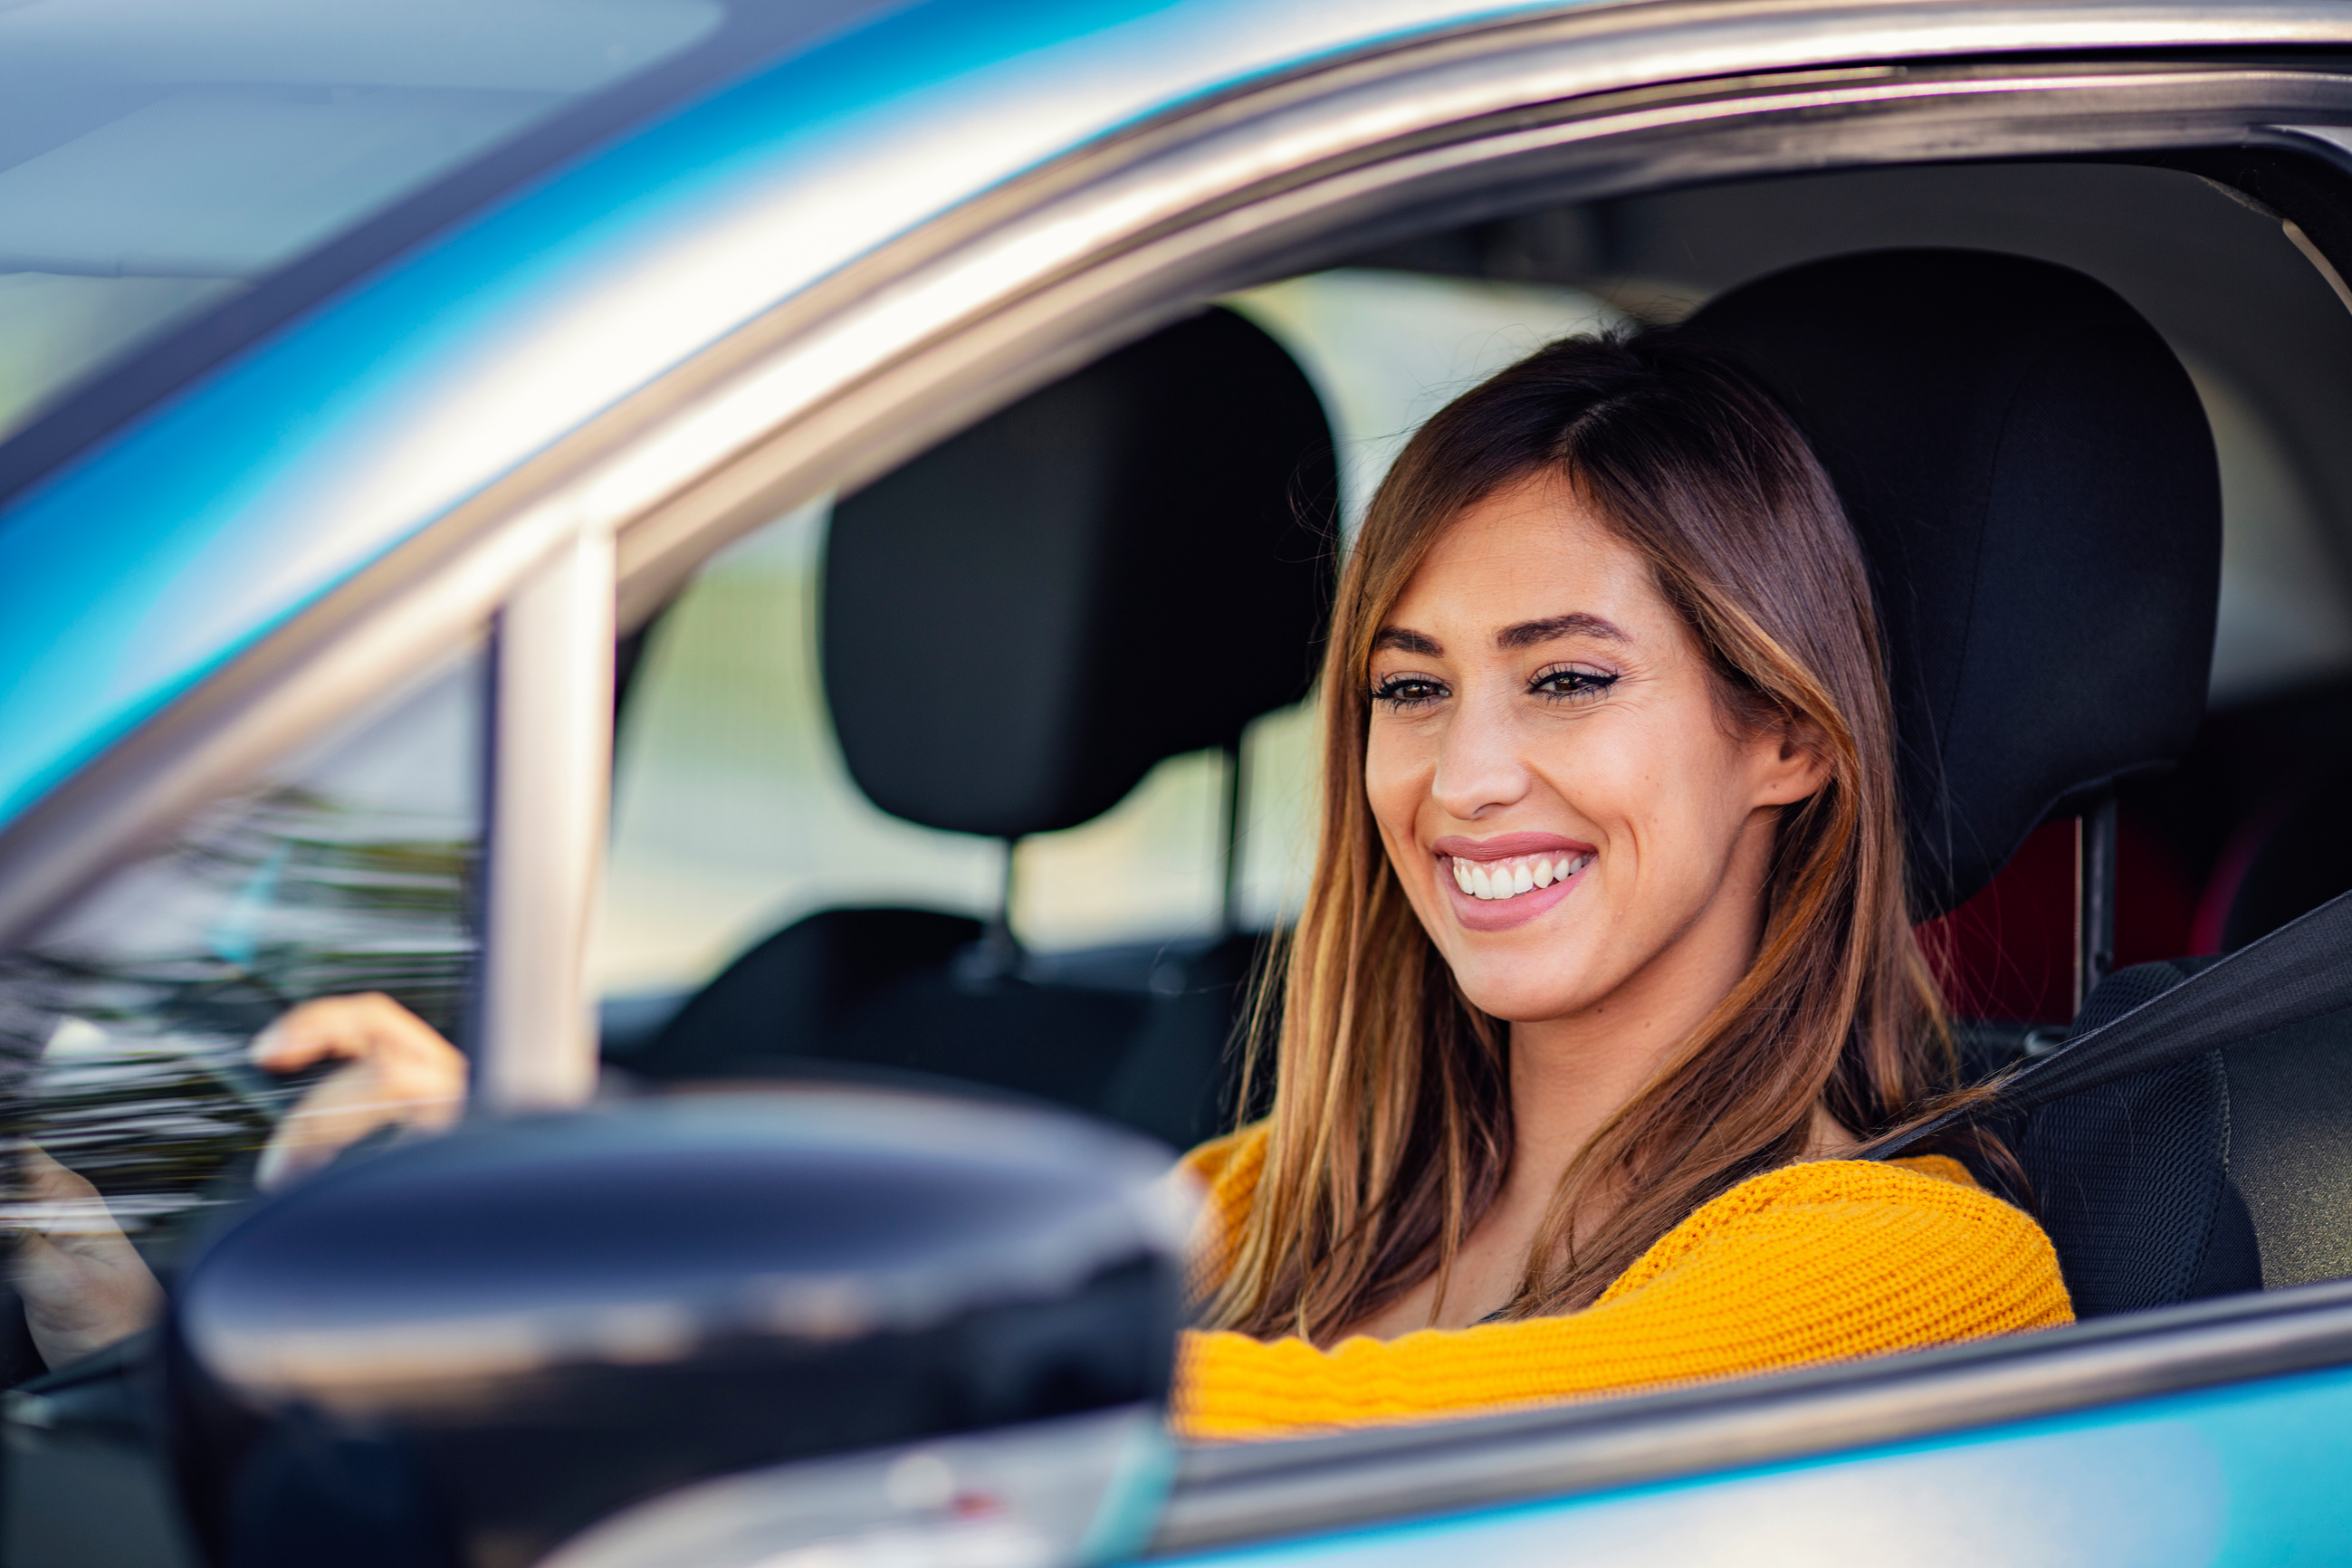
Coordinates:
[1499,879]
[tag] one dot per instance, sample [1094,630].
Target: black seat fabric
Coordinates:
[1131,564]
[2033,482]
[2131,1179]
[817,979]
[2230,1170]
[1017,625]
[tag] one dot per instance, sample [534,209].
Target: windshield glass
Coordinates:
[157,156]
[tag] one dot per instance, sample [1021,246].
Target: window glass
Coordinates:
[158,155]
[126,1025]
[734,814]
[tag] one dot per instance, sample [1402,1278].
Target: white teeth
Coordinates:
[1509,879]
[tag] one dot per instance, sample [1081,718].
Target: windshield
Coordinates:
[158,156]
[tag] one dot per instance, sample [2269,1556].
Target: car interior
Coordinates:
[1177,496]
[2097,637]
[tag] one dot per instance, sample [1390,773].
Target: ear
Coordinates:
[1789,763]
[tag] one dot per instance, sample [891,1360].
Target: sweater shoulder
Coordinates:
[1924,1215]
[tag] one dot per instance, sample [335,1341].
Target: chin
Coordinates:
[1516,996]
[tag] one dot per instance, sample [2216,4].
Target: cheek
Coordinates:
[1697,800]
[1617,778]
[1667,794]
[1397,774]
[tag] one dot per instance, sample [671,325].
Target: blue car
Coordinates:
[635,528]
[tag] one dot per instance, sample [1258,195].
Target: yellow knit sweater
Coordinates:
[1822,1261]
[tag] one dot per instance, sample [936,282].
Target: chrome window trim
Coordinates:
[551,765]
[1229,1494]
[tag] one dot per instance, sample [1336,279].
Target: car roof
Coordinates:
[156,553]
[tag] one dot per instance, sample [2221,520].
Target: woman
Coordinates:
[1605,973]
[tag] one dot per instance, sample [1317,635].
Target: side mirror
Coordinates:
[700,1334]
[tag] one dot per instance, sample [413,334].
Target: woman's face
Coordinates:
[1570,812]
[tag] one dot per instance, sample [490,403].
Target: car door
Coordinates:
[519,493]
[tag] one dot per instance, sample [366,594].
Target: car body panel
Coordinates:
[158,555]
[182,539]
[2251,1473]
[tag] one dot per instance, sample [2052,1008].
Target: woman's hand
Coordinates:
[82,1284]
[398,1072]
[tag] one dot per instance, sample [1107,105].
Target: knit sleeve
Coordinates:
[1817,1262]
[1227,1170]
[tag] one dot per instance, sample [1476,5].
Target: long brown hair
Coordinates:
[1392,1113]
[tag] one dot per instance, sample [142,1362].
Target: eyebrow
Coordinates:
[1405,641]
[1527,634]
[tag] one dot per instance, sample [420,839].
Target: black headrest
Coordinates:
[1129,565]
[2033,481]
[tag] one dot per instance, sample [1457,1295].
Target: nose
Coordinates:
[1480,769]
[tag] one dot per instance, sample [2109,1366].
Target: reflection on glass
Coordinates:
[158,155]
[125,1028]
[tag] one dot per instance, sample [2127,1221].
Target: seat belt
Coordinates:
[2300,971]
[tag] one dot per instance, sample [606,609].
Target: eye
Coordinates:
[1571,683]
[1401,691]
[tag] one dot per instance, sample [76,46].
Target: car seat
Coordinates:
[1129,565]
[2032,479]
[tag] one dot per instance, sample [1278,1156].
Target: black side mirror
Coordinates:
[698,1332]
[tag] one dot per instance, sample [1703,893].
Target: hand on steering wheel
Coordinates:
[397,1071]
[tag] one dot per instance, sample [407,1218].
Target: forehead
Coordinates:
[1534,549]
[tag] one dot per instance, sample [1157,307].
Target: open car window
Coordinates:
[738,822]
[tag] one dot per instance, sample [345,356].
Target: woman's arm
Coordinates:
[1818,1262]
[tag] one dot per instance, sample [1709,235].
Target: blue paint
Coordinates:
[2251,1474]
[228,507]
[164,552]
